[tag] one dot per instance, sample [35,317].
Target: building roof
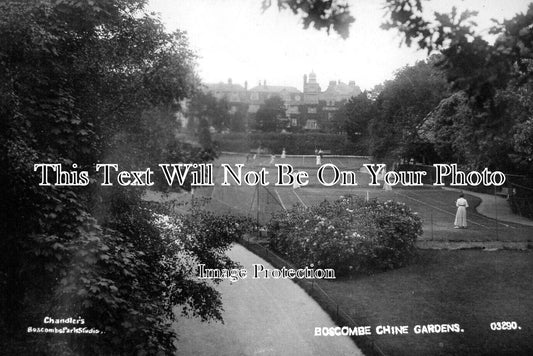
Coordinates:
[340,88]
[225,87]
[274,89]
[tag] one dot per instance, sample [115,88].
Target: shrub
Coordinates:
[347,235]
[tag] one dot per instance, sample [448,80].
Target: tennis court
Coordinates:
[435,206]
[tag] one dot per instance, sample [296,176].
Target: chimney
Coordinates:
[246,85]
[265,82]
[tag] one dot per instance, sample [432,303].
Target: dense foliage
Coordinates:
[85,82]
[268,117]
[489,103]
[209,111]
[319,13]
[348,235]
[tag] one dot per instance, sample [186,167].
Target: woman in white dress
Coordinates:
[460,216]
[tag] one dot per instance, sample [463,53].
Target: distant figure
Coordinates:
[283,155]
[460,216]
[381,175]
[295,184]
[319,156]
[385,185]
[272,159]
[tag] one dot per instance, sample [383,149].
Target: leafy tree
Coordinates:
[320,13]
[401,108]
[238,121]
[445,128]
[358,112]
[85,82]
[470,64]
[205,107]
[461,135]
[354,117]
[269,114]
[523,144]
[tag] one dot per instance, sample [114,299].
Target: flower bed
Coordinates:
[349,234]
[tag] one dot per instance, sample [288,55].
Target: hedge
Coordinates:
[294,143]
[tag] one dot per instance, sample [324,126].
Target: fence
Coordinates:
[518,189]
[491,221]
[521,199]
[494,226]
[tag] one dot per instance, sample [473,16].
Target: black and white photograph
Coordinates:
[266,177]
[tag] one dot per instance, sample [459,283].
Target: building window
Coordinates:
[311,125]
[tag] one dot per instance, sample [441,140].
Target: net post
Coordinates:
[257,214]
[496,212]
[431,220]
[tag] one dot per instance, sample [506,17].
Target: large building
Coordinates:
[310,109]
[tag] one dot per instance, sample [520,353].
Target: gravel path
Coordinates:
[262,317]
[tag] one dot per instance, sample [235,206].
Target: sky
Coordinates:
[236,39]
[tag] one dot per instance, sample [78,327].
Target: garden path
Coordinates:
[262,317]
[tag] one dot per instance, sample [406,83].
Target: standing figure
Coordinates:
[272,159]
[386,186]
[283,155]
[460,216]
[319,156]
[295,184]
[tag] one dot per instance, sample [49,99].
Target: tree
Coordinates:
[358,112]
[85,82]
[238,120]
[207,108]
[400,110]
[269,114]
[523,145]
[492,77]
[320,13]
[354,117]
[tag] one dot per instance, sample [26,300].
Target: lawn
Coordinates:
[469,287]
[435,206]
[472,288]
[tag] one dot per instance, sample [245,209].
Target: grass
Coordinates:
[470,287]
